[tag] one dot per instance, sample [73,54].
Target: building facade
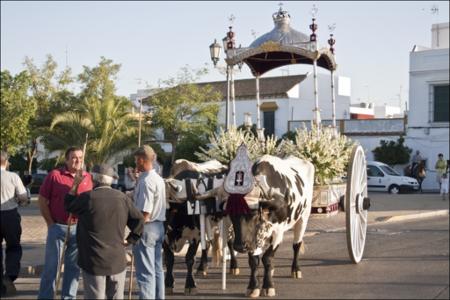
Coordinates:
[428,117]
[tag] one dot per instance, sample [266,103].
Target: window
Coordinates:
[373,171]
[441,103]
[269,123]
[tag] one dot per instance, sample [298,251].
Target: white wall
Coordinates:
[428,67]
[298,108]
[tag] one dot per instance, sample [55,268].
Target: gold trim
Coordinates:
[270,46]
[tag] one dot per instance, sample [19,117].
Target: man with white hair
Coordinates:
[150,198]
[103,214]
[13,193]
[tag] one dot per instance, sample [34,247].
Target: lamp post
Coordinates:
[228,44]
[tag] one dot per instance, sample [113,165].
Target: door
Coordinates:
[376,180]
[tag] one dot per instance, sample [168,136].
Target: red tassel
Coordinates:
[236,205]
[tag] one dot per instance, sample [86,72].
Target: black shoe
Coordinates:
[9,287]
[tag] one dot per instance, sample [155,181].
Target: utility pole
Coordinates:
[140,121]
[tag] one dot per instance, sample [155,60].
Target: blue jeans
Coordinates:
[148,261]
[53,248]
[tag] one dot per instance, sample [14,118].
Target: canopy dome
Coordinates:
[282,33]
[279,47]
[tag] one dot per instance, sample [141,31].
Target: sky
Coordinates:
[154,40]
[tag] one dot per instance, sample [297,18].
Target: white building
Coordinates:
[428,117]
[284,99]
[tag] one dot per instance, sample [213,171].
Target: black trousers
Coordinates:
[11,232]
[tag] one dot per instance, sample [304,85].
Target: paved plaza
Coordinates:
[385,208]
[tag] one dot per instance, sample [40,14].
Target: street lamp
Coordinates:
[228,44]
[214,50]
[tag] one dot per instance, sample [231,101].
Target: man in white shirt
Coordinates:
[150,198]
[13,193]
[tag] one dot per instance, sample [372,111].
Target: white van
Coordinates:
[381,177]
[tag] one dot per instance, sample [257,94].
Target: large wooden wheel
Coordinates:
[356,204]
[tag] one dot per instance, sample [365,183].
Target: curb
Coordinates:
[442,212]
[392,219]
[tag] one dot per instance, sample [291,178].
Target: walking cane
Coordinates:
[130,283]
[66,240]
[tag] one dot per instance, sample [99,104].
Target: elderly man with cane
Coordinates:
[103,214]
[61,235]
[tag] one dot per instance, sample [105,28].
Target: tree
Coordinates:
[392,153]
[104,116]
[183,108]
[17,109]
[50,92]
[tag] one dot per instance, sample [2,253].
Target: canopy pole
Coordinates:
[333,103]
[258,104]
[316,96]
[233,113]
[227,103]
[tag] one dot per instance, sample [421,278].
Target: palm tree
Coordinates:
[109,123]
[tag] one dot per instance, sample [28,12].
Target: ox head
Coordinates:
[253,224]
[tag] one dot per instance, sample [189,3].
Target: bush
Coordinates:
[392,153]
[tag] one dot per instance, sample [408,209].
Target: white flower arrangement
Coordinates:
[223,146]
[328,151]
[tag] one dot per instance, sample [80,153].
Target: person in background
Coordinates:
[115,183]
[416,159]
[13,193]
[150,198]
[441,167]
[444,186]
[51,203]
[130,179]
[101,251]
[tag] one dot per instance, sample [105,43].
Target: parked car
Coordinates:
[36,183]
[381,177]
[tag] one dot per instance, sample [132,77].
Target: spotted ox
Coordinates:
[188,179]
[280,201]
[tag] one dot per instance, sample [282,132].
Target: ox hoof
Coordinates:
[296,274]
[235,271]
[169,290]
[190,291]
[252,293]
[202,273]
[270,292]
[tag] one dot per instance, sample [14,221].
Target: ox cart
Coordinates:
[285,46]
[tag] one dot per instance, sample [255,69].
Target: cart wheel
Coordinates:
[356,204]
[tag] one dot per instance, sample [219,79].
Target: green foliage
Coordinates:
[392,153]
[290,135]
[105,117]
[19,163]
[327,151]
[17,110]
[188,145]
[183,108]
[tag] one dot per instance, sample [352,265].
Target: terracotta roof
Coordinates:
[269,87]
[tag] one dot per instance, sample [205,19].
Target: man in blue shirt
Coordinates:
[150,198]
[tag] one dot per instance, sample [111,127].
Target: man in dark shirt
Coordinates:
[103,214]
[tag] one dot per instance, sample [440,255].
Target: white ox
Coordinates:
[280,201]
